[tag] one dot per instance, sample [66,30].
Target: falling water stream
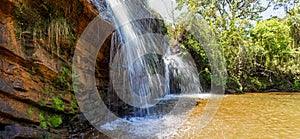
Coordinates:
[141,67]
[142,63]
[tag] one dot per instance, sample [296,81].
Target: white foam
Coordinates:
[192,96]
[147,127]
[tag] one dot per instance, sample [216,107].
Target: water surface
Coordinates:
[250,115]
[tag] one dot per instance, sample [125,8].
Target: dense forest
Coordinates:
[261,53]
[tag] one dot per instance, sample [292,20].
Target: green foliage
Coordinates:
[50,120]
[64,79]
[58,104]
[60,37]
[257,57]
[294,23]
[73,106]
[286,4]
[41,116]
[267,35]
[197,52]
[256,84]
[54,121]
[44,23]
[201,60]
[43,103]
[27,16]
[30,111]
[43,122]
[47,90]
[296,85]
[224,15]
[235,83]
[205,77]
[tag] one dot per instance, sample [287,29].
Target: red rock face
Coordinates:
[30,74]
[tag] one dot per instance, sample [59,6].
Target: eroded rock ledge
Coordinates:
[37,40]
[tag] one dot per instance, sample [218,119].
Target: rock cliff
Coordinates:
[37,41]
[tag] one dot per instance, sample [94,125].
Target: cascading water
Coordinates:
[142,69]
[141,58]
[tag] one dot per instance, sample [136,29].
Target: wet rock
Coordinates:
[18,85]
[45,64]
[18,110]
[1,38]
[6,87]
[10,68]
[273,90]
[27,85]
[231,91]
[17,131]
[8,37]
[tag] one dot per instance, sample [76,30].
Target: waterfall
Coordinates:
[142,65]
[153,82]
[137,61]
[144,68]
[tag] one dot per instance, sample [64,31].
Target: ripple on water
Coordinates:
[252,115]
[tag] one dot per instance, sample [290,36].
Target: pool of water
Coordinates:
[250,115]
[246,116]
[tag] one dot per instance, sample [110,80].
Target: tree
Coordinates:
[254,53]
[294,23]
[231,20]
[273,37]
[288,5]
[225,14]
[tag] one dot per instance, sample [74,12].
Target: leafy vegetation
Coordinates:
[260,53]
[43,24]
[51,27]
[43,122]
[296,85]
[58,104]
[73,104]
[270,44]
[30,111]
[47,90]
[54,120]
[50,120]
[64,79]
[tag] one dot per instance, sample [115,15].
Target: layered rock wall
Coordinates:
[37,40]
